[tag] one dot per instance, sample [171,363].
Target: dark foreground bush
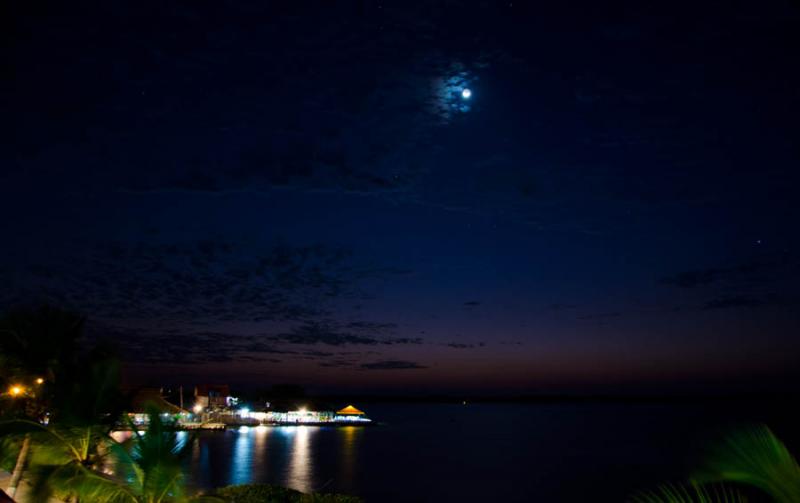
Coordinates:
[262,493]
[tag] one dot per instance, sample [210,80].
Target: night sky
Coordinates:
[264,192]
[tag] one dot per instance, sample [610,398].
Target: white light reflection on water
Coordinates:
[182,437]
[299,473]
[260,460]
[249,456]
[242,457]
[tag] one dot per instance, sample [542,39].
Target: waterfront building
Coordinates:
[213,396]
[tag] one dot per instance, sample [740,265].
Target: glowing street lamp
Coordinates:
[16,390]
[39,380]
[197,409]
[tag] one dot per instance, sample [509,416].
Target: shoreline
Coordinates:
[238,426]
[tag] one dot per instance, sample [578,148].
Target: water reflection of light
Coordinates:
[249,459]
[348,435]
[195,455]
[300,459]
[122,435]
[260,465]
[181,438]
[242,458]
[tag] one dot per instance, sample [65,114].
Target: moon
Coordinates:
[466,93]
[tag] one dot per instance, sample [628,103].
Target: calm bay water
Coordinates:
[481,452]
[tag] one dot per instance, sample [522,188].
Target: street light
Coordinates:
[16,390]
[39,380]
[198,409]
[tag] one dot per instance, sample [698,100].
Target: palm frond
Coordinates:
[756,457]
[690,493]
[151,461]
[48,438]
[78,482]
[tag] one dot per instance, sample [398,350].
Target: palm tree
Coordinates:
[146,468]
[38,347]
[152,461]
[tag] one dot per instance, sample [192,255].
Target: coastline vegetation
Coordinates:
[58,409]
[262,493]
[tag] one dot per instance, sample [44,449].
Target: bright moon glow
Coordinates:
[466,93]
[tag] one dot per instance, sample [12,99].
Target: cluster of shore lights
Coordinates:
[302,415]
[17,390]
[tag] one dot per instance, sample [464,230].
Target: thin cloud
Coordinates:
[392,365]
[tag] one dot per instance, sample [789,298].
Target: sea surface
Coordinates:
[568,452]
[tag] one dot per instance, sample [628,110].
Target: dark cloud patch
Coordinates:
[332,334]
[143,345]
[740,301]
[337,363]
[391,365]
[703,277]
[202,284]
[693,279]
[404,340]
[251,358]
[460,345]
[201,281]
[318,354]
[184,347]
[767,281]
[371,326]
[600,316]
